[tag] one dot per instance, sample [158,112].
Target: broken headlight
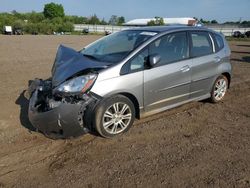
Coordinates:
[76,85]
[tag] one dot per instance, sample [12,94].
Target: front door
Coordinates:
[168,82]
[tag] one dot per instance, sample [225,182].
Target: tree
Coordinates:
[204,21]
[57,20]
[157,21]
[35,17]
[121,20]
[66,27]
[53,10]
[113,20]
[103,22]
[245,23]
[31,28]
[46,27]
[214,22]
[94,20]
[18,24]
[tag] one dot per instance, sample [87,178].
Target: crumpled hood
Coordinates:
[69,62]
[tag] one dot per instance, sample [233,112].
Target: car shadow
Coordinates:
[23,102]
[245,59]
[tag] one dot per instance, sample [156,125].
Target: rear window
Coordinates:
[201,44]
[219,42]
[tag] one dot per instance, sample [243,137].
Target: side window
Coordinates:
[219,42]
[136,64]
[172,47]
[201,44]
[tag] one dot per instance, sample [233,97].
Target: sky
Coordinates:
[220,10]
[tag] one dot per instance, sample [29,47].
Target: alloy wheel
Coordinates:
[117,118]
[220,89]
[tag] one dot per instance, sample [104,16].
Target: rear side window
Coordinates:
[219,42]
[201,44]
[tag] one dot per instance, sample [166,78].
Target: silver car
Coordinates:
[126,75]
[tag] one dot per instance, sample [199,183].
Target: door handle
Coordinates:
[217,59]
[185,68]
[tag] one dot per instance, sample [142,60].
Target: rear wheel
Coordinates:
[114,116]
[219,89]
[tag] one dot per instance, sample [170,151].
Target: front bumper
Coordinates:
[63,121]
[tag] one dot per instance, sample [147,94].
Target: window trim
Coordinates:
[191,43]
[213,43]
[175,61]
[188,49]
[217,49]
[147,46]
[125,65]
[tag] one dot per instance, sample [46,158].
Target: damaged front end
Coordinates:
[56,115]
[58,105]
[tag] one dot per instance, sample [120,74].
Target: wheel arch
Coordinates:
[134,101]
[228,76]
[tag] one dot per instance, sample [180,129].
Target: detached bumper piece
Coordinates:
[55,118]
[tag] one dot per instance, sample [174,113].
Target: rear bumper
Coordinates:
[63,121]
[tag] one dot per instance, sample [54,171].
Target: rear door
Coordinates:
[204,63]
[169,82]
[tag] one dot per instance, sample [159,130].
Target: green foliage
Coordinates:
[6,19]
[49,21]
[31,28]
[103,22]
[245,23]
[18,24]
[242,24]
[204,21]
[53,10]
[115,20]
[76,19]
[94,20]
[121,20]
[214,22]
[156,22]
[57,20]
[36,22]
[208,21]
[34,17]
[66,27]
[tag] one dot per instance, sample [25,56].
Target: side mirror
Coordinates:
[154,59]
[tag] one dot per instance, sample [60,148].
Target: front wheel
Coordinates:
[114,116]
[219,89]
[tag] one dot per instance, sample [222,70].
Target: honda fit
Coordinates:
[129,74]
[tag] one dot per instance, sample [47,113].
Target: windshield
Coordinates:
[117,46]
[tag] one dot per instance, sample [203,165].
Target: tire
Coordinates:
[218,94]
[114,116]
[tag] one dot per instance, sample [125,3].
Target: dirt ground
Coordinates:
[196,145]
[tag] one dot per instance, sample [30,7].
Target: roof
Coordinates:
[160,29]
